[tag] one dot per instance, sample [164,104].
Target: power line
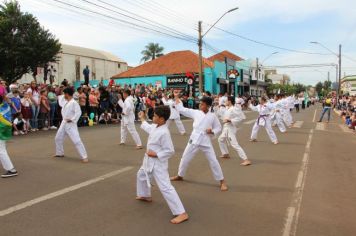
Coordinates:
[163,14]
[137,19]
[137,27]
[264,43]
[103,22]
[270,45]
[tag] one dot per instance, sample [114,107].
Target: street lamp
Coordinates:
[339,57]
[200,45]
[269,56]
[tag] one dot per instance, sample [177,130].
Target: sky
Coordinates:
[289,24]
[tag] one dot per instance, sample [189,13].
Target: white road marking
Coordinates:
[292,216]
[298,124]
[320,126]
[314,117]
[249,122]
[61,192]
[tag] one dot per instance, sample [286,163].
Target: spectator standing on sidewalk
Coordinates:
[52,98]
[35,98]
[44,111]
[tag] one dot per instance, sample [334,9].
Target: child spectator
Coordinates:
[44,110]
[15,104]
[26,110]
[19,125]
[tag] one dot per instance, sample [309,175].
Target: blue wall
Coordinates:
[143,80]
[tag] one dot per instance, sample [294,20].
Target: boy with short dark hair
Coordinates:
[155,163]
[206,124]
[71,113]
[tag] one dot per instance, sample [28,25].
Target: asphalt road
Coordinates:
[303,186]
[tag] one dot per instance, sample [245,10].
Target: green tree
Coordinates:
[24,44]
[152,51]
[319,88]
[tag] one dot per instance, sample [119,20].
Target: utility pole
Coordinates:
[257,75]
[200,45]
[227,78]
[339,86]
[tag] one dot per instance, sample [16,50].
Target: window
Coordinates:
[118,65]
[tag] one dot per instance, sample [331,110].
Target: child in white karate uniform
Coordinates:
[71,113]
[264,109]
[231,116]
[205,125]
[128,119]
[155,163]
[174,114]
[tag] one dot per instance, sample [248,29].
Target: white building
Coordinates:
[257,85]
[276,78]
[73,60]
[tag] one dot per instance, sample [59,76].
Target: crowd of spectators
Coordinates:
[35,106]
[346,106]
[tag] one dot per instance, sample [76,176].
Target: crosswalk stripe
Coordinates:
[320,126]
[249,122]
[298,124]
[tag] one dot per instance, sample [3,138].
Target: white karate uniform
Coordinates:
[290,105]
[4,157]
[200,140]
[278,117]
[263,120]
[228,134]
[128,120]
[175,116]
[159,141]
[285,111]
[239,102]
[70,111]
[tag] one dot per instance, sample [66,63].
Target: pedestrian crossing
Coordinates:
[298,124]
[320,126]
[249,122]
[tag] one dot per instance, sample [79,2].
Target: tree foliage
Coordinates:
[24,44]
[152,51]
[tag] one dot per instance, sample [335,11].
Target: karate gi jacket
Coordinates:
[202,122]
[174,113]
[128,110]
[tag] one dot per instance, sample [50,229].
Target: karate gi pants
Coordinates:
[71,130]
[279,122]
[163,182]
[4,157]
[268,128]
[189,154]
[287,118]
[179,125]
[229,137]
[132,130]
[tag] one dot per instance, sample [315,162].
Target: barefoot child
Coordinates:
[128,119]
[5,134]
[206,124]
[155,163]
[71,113]
[231,117]
[264,109]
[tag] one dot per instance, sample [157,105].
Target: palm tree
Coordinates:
[152,51]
